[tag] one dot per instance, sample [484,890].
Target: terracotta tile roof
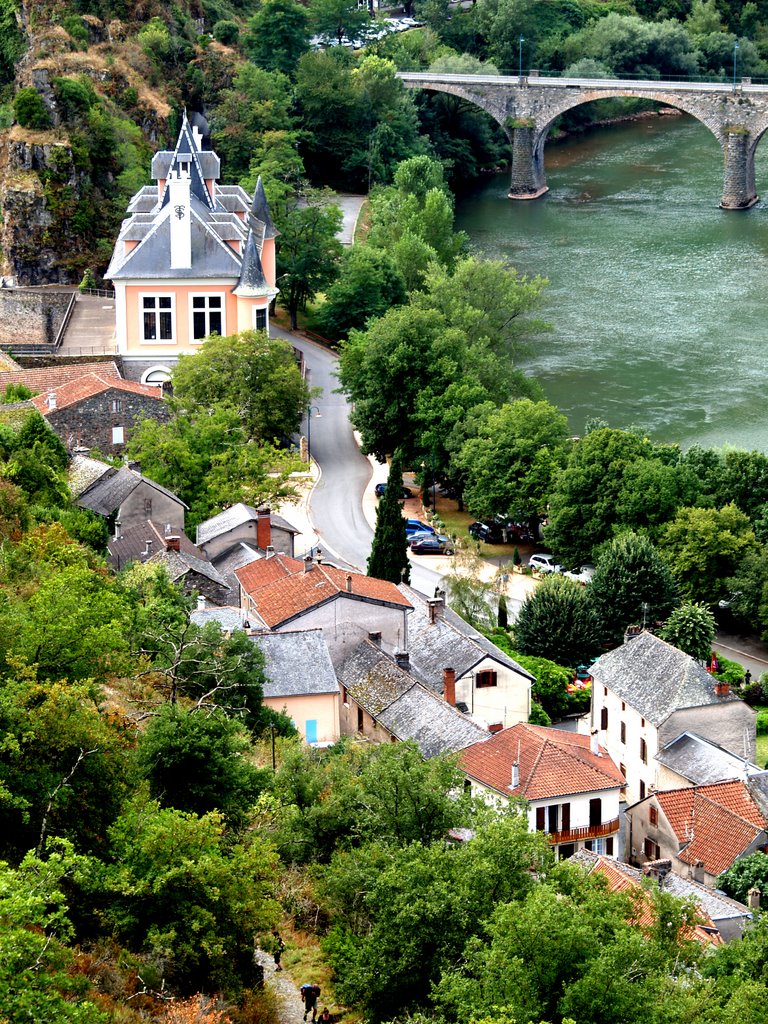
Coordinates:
[553,763]
[47,378]
[715,824]
[281,588]
[91,384]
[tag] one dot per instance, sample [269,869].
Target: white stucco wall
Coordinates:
[509,702]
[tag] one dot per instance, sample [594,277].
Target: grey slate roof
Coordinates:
[108,493]
[404,706]
[450,642]
[236,515]
[296,664]
[235,558]
[260,209]
[180,563]
[656,679]
[701,762]
[252,279]
[84,472]
[230,618]
[132,543]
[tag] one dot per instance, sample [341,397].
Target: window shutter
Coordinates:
[541,819]
[566,813]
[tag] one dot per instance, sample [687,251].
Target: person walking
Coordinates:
[325,1016]
[309,993]
[279,947]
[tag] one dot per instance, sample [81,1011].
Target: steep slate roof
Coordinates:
[403,706]
[656,679]
[281,588]
[91,384]
[85,471]
[701,761]
[179,564]
[109,492]
[552,763]
[715,909]
[297,663]
[715,824]
[234,558]
[449,641]
[236,515]
[229,617]
[132,543]
[50,377]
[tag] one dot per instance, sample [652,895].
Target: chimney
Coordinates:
[118,530]
[403,660]
[180,219]
[375,639]
[308,563]
[264,528]
[168,531]
[200,603]
[722,689]
[594,746]
[269,551]
[697,871]
[753,899]
[436,607]
[348,583]
[515,775]
[173,543]
[319,556]
[148,549]
[51,400]
[449,685]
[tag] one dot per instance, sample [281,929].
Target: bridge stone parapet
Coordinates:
[527,107]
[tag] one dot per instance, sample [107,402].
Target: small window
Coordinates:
[623,706]
[623,732]
[541,819]
[595,812]
[118,435]
[359,719]
[207,316]
[148,506]
[486,678]
[651,849]
[643,751]
[566,817]
[653,816]
[260,319]
[642,790]
[117,405]
[609,846]
[157,317]
[605,691]
[603,718]
[344,698]
[642,723]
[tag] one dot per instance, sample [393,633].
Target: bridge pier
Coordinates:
[739,191]
[528,181]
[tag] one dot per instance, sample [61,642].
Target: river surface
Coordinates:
[657,298]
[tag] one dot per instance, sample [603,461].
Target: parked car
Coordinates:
[581,574]
[416,526]
[488,532]
[544,563]
[432,544]
[380,490]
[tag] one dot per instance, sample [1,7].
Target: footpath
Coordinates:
[285,990]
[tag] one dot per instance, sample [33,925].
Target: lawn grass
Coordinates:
[761,751]
[457,523]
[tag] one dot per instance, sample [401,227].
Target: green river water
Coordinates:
[657,298]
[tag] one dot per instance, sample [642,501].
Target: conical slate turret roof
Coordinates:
[260,210]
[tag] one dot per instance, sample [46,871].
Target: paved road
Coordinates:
[336,504]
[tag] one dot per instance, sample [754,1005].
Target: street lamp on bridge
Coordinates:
[522,40]
[735,51]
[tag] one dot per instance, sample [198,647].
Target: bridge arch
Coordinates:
[526,108]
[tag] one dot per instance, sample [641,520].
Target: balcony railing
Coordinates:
[572,835]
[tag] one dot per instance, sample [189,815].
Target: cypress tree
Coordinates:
[389,552]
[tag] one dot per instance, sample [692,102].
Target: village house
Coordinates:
[720,919]
[646,694]
[123,496]
[98,411]
[702,830]
[280,593]
[383,701]
[240,535]
[193,258]
[490,685]
[570,785]
[301,682]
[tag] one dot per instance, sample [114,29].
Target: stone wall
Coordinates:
[30,317]
[89,423]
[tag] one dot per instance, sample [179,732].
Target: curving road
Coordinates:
[336,503]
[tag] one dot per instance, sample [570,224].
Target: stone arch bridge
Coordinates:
[525,108]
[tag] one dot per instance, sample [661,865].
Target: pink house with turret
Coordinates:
[193,258]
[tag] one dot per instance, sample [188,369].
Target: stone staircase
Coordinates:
[91,329]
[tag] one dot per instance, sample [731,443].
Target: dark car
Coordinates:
[489,532]
[436,544]
[380,489]
[416,526]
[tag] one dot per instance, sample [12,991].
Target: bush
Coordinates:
[29,109]
[226,32]
[74,98]
[76,29]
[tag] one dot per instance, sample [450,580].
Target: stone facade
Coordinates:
[30,317]
[93,422]
[526,108]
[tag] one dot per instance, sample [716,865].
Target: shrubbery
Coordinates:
[30,110]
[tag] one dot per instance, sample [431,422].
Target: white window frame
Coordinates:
[265,311]
[157,295]
[206,295]
[118,435]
